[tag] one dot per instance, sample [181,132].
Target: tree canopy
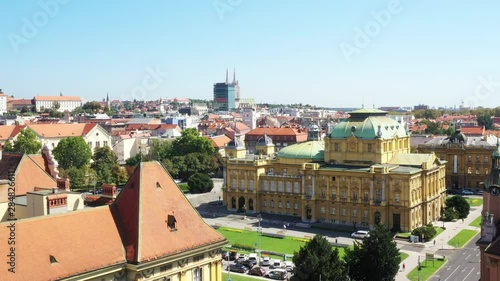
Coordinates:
[200,183]
[376,258]
[103,161]
[190,141]
[72,152]
[26,142]
[317,260]
[459,204]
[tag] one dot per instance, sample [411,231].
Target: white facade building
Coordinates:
[66,103]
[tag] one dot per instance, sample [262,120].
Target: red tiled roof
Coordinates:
[220,141]
[472,130]
[62,130]
[57,98]
[145,203]
[79,241]
[276,132]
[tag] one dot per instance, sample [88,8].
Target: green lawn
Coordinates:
[476,222]
[183,187]
[462,238]
[427,270]
[438,230]
[236,277]
[285,246]
[404,235]
[475,202]
[403,256]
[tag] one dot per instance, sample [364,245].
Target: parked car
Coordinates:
[257,271]
[277,274]
[246,263]
[266,261]
[236,267]
[289,266]
[275,264]
[253,258]
[241,257]
[360,234]
[467,192]
[478,192]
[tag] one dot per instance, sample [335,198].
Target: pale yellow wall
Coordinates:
[36,205]
[3,211]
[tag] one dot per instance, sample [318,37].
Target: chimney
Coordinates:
[63,184]
[109,191]
[51,162]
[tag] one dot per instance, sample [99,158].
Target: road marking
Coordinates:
[451,274]
[469,273]
[467,256]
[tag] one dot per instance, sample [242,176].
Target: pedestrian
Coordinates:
[335,240]
[404,266]
[434,242]
[462,220]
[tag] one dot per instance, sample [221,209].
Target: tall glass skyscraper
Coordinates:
[226,95]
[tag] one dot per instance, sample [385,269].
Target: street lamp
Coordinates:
[259,230]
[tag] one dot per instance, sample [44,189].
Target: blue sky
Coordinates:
[284,51]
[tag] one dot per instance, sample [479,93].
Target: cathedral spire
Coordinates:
[107,96]
[234,75]
[227,77]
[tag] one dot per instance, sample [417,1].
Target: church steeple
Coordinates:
[234,76]
[107,97]
[227,76]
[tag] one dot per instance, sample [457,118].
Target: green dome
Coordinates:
[369,124]
[312,150]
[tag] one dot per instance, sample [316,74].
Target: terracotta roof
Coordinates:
[472,130]
[20,102]
[79,242]
[57,98]
[153,127]
[146,203]
[276,132]
[62,130]
[11,131]
[220,141]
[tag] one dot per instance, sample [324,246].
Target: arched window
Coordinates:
[233,203]
[272,204]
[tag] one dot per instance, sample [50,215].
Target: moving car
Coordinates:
[360,234]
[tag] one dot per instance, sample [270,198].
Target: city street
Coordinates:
[463,264]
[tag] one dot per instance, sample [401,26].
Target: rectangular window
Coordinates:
[287,205]
[250,185]
[265,186]
[242,185]
[333,211]
[273,186]
[336,147]
[285,172]
[370,147]
[105,143]
[396,197]
[233,183]
[288,187]
[280,186]
[365,214]
[354,213]
[97,144]
[323,210]
[343,212]
[90,144]
[197,274]
[296,188]
[296,206]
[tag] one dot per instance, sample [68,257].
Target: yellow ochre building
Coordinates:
[361,174]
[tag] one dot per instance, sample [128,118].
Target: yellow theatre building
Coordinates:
[361,174]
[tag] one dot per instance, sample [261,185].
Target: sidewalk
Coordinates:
[452,228]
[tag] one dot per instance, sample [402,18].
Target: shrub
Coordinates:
[428,232]
[244,247]
[200,183]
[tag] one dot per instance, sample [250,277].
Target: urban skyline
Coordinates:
[328,54]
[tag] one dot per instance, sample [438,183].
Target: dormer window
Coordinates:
[52,259]
[172,223]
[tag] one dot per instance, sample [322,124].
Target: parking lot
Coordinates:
[251,264]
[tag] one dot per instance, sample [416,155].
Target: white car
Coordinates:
[360,234]
[266,261]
